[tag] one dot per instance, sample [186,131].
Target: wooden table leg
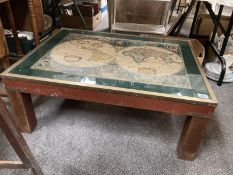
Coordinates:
[110,14]
[14,30]
[33,22]
[17,141]
[24,110]
[191,136]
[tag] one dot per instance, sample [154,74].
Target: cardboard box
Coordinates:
[70,17]
[102,4]
[75,22]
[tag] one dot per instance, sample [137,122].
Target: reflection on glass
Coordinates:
[147,64]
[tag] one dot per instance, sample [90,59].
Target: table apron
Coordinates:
[112,98]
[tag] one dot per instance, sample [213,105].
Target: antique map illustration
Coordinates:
[117,59]
[83,53]
[150,60]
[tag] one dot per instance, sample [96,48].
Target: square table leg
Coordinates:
[190,139]
[24,110]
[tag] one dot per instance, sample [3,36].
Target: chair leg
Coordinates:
[33,22]
[14,30]
[193,28]
[12,132]
[110,4]
[5,62]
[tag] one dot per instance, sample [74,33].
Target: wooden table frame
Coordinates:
[198,111]
[17,141]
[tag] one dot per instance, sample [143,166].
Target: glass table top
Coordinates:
[131,62]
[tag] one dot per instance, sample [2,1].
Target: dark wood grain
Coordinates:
[22,17]
[12,132]
[3,48]
[13,28]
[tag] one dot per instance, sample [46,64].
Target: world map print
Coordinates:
[83,53]
[117,59]
[150,60]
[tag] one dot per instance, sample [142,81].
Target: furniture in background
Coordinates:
[217,25]
[169,81]
[3,57]
[51,8]
[32,5]
[3,49]
[140,16]
[28,16]
[9,17]
[15,138]
[80,15]
[181,4]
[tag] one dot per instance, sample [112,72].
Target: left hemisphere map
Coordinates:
[83,53]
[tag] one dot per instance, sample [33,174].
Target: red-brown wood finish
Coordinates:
[109,97]
[194,127]
[23,108]
[193,131]
[20,87]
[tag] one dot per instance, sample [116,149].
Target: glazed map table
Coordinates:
[153,73]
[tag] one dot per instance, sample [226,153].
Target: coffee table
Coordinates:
[152,73]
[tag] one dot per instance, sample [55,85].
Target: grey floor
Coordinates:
[74,137]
